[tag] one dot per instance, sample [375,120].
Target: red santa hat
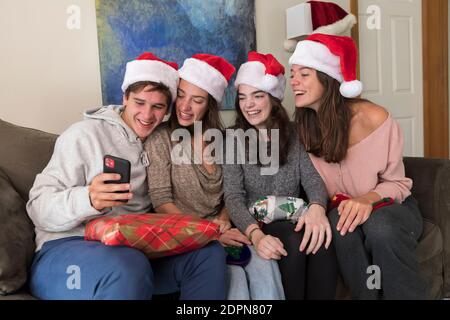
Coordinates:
[325,17]
[148,67]
[263,72]
[208,72]
[334,55]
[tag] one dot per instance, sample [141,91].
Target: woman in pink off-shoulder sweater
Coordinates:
[357,146]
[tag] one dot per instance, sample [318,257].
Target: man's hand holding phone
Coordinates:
[104,195]
[112,187]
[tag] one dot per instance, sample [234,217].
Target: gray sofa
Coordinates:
[25,152]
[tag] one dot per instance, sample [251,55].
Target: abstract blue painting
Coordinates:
[173,30]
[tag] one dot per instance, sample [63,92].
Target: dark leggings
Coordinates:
[388,240]
[304,277]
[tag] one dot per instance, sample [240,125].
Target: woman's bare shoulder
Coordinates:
[370,115]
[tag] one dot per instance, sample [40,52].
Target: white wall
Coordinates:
[50,74]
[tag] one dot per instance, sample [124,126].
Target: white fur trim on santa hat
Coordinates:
[317,56]
[151,70]
[289,45]
[351,89]
[278,92]
[253,73]
[339,27]
[204,76]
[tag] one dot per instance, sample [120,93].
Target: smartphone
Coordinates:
[118,165]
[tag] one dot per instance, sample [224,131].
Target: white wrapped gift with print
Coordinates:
[274,208]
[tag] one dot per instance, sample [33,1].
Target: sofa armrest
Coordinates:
[26,152]
[431,188]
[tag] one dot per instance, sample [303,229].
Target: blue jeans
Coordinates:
[259,280]
[72,268]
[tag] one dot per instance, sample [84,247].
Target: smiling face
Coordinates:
[255,105]
[144,110]
[305,84]
[191,104]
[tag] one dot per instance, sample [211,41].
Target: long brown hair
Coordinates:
[325,133]
[278,119]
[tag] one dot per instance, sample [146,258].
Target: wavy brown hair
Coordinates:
[278,119]
[325,133]
[156,86]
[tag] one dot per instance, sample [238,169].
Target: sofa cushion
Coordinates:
[16,238]
[430,254]
[25,154]
[431,188]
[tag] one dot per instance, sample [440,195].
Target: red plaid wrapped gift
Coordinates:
[157,235]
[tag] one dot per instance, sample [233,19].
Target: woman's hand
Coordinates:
[223,220]
[317,227]
[267,246]
[353,212]
[224,224]
[233,238]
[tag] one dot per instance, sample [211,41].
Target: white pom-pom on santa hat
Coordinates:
[351,89]
[148,67]
[263,72]
[208,72]
[334,55]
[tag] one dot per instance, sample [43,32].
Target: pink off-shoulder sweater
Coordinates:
[373,164]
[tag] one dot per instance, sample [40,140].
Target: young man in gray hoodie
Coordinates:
[71,190]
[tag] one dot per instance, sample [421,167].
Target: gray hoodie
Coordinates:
[59,204]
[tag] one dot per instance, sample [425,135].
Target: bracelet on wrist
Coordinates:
[251,233]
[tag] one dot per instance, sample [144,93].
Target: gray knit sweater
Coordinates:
[243,184]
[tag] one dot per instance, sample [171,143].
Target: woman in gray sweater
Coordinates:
[306,260]
[181,180]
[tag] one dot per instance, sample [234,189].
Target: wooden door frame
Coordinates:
[435,75]
[355,30]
